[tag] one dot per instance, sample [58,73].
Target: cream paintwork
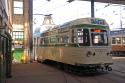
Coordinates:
[73,55]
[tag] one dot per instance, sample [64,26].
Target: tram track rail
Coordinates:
[109,77]
[118,73]
[79,78]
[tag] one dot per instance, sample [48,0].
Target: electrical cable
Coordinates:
[57,7]
[42,5]
[54,8]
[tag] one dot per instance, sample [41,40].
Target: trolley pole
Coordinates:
[92,9]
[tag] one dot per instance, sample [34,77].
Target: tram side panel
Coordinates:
[118,50]
[118,42]
[76,56]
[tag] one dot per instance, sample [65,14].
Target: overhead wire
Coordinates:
[104,7]
[115,12]
[57,7]
[60,6]
[47,11]
[42,5]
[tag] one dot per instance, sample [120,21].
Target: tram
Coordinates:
[118,42]
[79,44]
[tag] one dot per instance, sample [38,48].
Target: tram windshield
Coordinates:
[99,37]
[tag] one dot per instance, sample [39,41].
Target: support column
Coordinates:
[92,9]
[31,28]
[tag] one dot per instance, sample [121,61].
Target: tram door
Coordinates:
[2,60]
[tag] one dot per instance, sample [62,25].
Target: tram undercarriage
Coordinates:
[79,69]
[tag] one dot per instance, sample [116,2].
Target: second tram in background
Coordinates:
[77,45]
[118,42]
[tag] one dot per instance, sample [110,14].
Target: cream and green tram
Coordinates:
[82,43]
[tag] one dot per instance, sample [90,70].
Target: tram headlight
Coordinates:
[94,54]
[89,53]
[109,53]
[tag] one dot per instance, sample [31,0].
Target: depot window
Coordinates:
[18,35]
[18,7]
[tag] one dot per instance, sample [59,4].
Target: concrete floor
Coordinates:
[33,73]
[42,73]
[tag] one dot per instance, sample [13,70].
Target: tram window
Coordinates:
[123,40]
[80,31]
[80,39]
[41,41]
[65,39]
[60,40]
[83,37]
[74,39]
[118,40]
[54,40]
[72,36]
[46,40]
[105,38]
[86,38]
[113,40]
[99,37]
[0,44]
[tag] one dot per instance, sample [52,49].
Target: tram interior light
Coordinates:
[97,30]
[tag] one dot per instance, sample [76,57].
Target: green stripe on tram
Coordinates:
[91,26]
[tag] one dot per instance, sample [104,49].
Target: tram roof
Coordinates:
[86,21]
[117,32]
[109,1]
